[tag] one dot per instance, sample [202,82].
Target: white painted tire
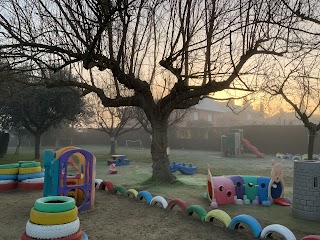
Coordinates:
[34,180]
[156,199]
[98,182]
[282,230]
[6,181]
[52,231]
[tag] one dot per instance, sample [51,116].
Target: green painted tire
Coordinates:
[22,162]
[54,204]
[200,211]
[30,164]
[119,189]
[8,166]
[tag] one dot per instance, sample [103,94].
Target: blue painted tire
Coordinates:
[282,230]
[30,175]
[84,236]
[144,195]
[8,176]
[248,220]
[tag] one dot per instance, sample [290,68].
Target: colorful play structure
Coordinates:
[232,144]
[70,172]
[188,169]
[54,217]
[224,190]
[220,215]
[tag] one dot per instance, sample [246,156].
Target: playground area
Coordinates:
[119,217]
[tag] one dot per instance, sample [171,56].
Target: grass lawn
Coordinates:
[192,188]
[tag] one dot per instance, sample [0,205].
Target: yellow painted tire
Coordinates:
[220,215]
[44,218]
[9,171]
[29,170]
[132,192]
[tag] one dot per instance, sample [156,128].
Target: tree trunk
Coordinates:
[18,145]
[37,138]
[312,135]
[160,160]
[112,145]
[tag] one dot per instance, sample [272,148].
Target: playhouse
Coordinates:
[70,172]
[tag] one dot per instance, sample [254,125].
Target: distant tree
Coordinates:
[112,121]
[37,108]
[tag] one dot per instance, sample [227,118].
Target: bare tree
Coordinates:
[112,121]
[167,53]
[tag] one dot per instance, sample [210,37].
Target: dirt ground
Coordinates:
[117,217]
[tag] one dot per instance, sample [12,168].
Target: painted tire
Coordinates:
[45,218]
[97,182]
[119,189]
[6,181]
[76,236]
[22,162]
[30,175]
[250,221]
[144,195]
[50,205]
[107,184]
[8,176]
[8,186]
[30,164]
[311,237]
[8,166]
[52,231]
[282,230]
[29,170]
[178,202]
[160,199]
[30,186]
[34,180]
[84,236]
[200,211]
[132,192]
[9,171]
[222,216]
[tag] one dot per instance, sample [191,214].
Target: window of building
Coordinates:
[195,116]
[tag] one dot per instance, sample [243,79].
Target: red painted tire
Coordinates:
[8,186]
[76,236]
[30,186]
[180,203]
[311,237]
[107,184]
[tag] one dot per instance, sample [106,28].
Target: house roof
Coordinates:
[212,105]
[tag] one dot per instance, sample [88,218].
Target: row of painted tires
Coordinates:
[54,217]
[297,156]
[222,216]
[28,184]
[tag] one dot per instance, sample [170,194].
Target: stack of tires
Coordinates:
[54,217]
[30,175]
[9,176]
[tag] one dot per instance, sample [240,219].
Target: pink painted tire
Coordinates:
[76,236]
[107,184]
[30,186]
[180,203]
[311,237]
[8,186]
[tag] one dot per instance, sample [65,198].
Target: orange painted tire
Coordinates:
[76,236]
[107,184]
[178,202]
[8,186]
[30,186]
